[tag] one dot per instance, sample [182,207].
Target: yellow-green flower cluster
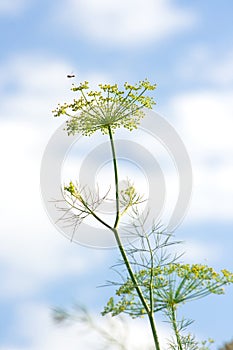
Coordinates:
[129,197]
[109,107]
[130,192]
[172,284]
[73,190]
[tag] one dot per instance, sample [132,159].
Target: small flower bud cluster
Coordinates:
[73,190]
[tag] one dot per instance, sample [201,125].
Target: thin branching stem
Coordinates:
[149,311]
[122,110]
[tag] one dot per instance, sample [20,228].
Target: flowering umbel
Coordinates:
[108,107]
[173,284]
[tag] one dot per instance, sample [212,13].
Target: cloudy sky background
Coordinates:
[187,50]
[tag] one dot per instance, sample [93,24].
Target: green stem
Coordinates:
[95,216]
[116,177]
[175,328]
[149,311]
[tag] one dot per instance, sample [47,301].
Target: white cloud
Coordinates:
[204,121]
[125,23]
[31,251]
[31,316]
[200,252]
[32,85]
[204,65]
[35,316]
[12,8]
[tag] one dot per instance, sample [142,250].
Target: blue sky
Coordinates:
[187,49]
